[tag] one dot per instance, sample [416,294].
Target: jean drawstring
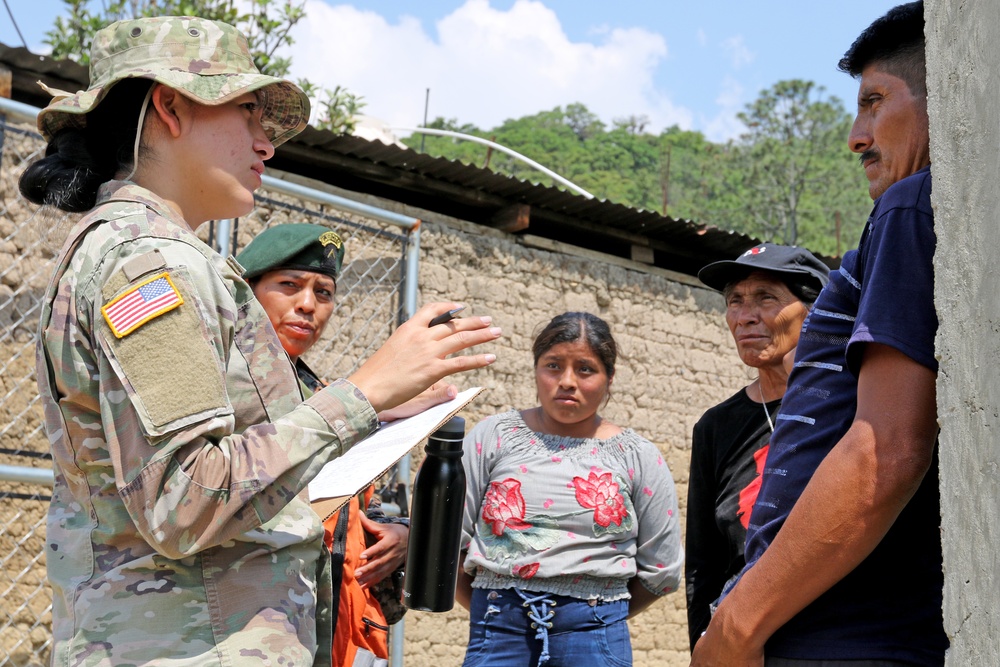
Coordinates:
[541,623]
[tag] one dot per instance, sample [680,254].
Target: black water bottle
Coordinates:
[436,522]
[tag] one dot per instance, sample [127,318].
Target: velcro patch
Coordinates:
[140,304]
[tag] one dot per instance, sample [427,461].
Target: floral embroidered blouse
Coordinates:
[569,516]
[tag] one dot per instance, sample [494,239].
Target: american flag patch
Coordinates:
[140,304]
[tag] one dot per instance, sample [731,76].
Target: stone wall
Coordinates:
[677,359]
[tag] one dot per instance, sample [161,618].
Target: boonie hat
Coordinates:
[784,260]
[300,247]
[207,61]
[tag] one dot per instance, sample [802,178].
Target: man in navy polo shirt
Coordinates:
[843,548]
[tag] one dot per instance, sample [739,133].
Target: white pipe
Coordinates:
[341,203]
[18,110]
[43,476]
[502,149]
[224,233]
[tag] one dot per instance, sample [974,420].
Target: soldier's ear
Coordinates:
[172,108]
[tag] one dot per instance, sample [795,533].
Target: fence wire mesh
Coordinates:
[368,307]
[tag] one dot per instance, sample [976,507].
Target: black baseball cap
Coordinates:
[787,261]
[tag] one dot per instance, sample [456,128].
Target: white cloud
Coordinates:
[482,65]
[725,125]
[738,52]
[702,37]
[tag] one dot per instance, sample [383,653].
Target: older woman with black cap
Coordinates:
[768,292]
[178,531]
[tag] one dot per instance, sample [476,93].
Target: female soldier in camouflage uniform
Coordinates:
[176,530]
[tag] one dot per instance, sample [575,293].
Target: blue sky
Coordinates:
[691,64]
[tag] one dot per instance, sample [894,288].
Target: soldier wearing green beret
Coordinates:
[178,530]
[293,270]
[285,264]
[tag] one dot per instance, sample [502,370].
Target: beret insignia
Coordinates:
[327,238]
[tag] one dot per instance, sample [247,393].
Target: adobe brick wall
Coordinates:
[678,359]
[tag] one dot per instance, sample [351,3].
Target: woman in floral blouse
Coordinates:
[570,521]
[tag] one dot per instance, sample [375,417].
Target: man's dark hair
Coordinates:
[896,42]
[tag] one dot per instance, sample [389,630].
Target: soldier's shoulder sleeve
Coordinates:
[164,314]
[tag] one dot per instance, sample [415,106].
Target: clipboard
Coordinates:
[344,477]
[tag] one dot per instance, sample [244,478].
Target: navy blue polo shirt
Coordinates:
[889,607]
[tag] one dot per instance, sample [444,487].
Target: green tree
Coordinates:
[785,179]
[338,108]
[686,171]
[450,147]
[795,171]
[266,25]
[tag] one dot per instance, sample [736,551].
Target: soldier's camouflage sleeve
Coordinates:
[208,464]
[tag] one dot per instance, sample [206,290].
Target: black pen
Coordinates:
[446,317]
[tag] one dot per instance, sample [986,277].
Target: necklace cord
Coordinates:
[767,413]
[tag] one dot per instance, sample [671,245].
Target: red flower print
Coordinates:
[526,571]
[503,506]
[600,493]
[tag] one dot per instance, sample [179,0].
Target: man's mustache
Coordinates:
[869,154]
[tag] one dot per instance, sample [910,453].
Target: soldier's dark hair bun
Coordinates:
[78,160]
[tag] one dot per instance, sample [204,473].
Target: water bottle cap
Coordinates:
[452,429]
[447,440]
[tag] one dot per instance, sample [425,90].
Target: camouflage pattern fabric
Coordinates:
[179,529]
[207,61]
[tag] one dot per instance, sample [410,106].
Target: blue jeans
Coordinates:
[582,633]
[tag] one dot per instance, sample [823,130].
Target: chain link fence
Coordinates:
[371,300]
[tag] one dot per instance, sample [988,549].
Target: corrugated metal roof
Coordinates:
[27,68]
[477,194]
[449,187]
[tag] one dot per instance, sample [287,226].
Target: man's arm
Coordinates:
[845,511]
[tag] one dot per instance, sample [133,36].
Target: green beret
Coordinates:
[300,247]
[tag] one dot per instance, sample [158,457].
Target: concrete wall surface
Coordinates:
[963,75]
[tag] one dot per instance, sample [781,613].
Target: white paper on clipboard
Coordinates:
[343,477]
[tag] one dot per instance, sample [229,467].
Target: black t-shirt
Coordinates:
[721,490]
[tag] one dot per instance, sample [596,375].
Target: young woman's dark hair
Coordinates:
[571,327]
[78,160]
